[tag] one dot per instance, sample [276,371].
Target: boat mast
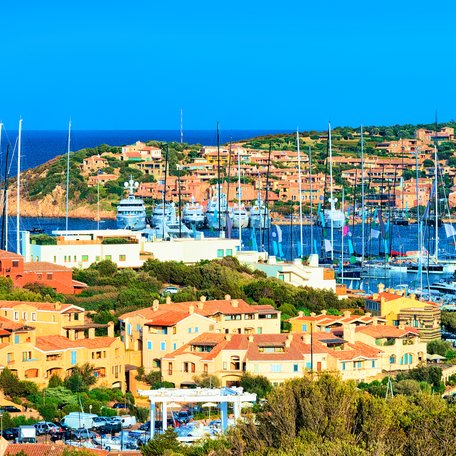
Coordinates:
[266,215]
[164,192]
[436,170]
[332,207]
[218,180]
[363,228]
[311,202]
[4,240]
[239,193]
[18,195]
[68,175]
[342,236]
[300,193]
[418,224]
[180,198]
[181,129]
[98,199]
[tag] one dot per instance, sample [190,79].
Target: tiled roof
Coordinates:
[98,342]
[44,266]
[389,296]
[354,351]
[381,331]
[47,449]
[6,254]
[58,343]
[167,318]
[6,323]
[38,305]
[340,319]
[208,308]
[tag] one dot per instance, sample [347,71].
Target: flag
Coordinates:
[275,248]
[315,246]
[279,233]
[194,230]
[351,250]
[449,230]
[328,245]
[345,230]
[253,240]
[229,225]
[281,254]
[375,233]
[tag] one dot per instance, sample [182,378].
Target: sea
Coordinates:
[40,146]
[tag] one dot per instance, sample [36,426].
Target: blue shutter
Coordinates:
[73,357]
[149,345]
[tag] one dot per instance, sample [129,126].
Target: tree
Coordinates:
[55,381]
[207,381]
[81,378]
[439,347]
[162,444]
[257,384]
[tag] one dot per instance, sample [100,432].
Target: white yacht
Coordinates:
[164,214]
[193,214]
[214,211]
[239,216]
[259,215]
[131,212]
[336,216]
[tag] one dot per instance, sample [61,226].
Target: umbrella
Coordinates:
[173,404]
[209,405]
[246,404]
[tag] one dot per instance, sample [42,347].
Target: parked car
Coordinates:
[183,417]
[9,409]
[120,405]
[11,433]
[82,434]
[99,421]
[170,290]
[45,427]
[61,434]
[112,427]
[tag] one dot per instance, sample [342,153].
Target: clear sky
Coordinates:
[249,64]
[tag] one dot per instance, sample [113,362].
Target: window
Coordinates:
[233,317]
[73,357]
[358,364]
[74,257]
[97,258]
[24,315]
[129,329]
[26,356]
[174,346]
[308,365]
[138,327]
[205,368]
[108,257]
[304,328]
[373,363]
[49,276]
[189,330]
[16,316]
[10,358]
[16,339]
[162,346]
[295,368]
[219,253]
[229,252]
[196,329]
[259,330]
[122,257]
[344,366]
[170,368]
[55,259]
[249,316]
[33,316]
[149,345]
[282,277]
[276,368]
[15,263]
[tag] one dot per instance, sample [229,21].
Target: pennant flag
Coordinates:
[351,250]
[229,225]
[322,217]
[275,248]
[375,233]
[449,230]
[315,246]
[279,233]
[352,259]
[328,245]
[194,230]
[253,240]
[345,230]
[281,254]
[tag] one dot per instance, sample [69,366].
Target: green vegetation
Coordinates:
[328,417]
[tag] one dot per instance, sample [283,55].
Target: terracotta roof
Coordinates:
[98,342]
[209,308]
[45,449]
[44,266]
[6,323]
[354,351]
[167,318]
[58,343]
[38,305]
[381,331]
[388,296]
[6,254]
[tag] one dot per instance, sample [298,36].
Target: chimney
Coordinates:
[72,334]
[228,337]
[401,326]
[200,305]
[368,314]
[300,313]
[227,297]
[58,305]
[381,287]
[313,314]
[155,305]
[168,299]
[250,338]
[347,314]
[306,338]
[324,312]
[375,321]
[349,333]
[288,340]
[110,329]
[202,298]
[235,303]
[191,309]
[91,333]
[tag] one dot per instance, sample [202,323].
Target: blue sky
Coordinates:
[248,64]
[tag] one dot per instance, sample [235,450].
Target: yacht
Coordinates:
[336,216]
[174,230]
[239,216]
[131,212]
[164,214]
[214,211]
[193,214]
[259,215]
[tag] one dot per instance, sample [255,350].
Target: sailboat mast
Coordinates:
[4,240]
[68,175]
[218,180]
[418,224]
[239,194]
[266,215]
[164,191]
[300,193]
[18,195]
[331,191]
[363,228]
[181,128]
[436,170]
[311,202]
[342,236]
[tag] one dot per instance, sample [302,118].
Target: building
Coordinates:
[429,136]
[59,278]
[153,332]
[398,308]
[93,164]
